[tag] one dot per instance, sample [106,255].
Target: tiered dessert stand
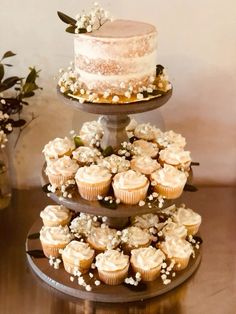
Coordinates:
[115,119]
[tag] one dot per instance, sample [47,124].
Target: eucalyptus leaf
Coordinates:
[31,76]
[27,95]
[159,69]
[8,54]
[78,141]
[8,65]
[195,163]
[108,151]
[36,253]
[66,19]
[9,82]
[1,72]
[82,30]
[70,29]
[18,123]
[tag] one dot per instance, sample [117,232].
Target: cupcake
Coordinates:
[53,239]
[112,267]
[86,155]
[103,238]
[177,250]
[190,219]
[91,133]
[144,164]
[93,181]
[168,181]
[130,187]
[55,215]
[169,138]
[82,225]
[147,261]
[114,163]
[172,229]
[57,148]
[144,148]
[61,170]
[146,131]
[145,221]
[134,237]
[77,256]
[131,127]
[176,157]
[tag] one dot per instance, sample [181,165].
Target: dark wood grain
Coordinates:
[60,279]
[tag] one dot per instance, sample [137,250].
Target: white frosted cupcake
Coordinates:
[86,155]
[61,170]
[83,224]
[168,181]
[146,131]
[53,239]
[102,239]
[176,157]
[130,187]
[57,148]
[172,229]
[169,138]
[145,221]
[91,132]
[55,215]
[93,181]
[144,148]
[147,261]
[144,164]
[177,250]
[112,267]
[114,163]
[190,219]
[134,237]
[77,256]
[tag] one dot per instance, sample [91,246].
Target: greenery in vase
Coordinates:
[14,94]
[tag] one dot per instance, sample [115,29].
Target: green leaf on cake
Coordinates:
[1,72]
[70,29]
[8,54]
[78,141]
[108,151]
[159,69]
[66,19]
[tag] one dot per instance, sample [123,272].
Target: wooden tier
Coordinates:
[60,279]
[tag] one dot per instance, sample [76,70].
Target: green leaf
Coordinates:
[34,236]
[159,69]
[19,123]
[31,76]
[108,151]
[82,30]
[78,141]
[195,163]
[28,95]
[36,253]
[66,19]
[8,65]
[8,54]
[1,72]
[70,29]
[9,82]
[190,188]
[108,205]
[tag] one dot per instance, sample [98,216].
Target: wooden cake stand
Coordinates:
[115,119]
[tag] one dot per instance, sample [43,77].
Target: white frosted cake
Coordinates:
[120,55]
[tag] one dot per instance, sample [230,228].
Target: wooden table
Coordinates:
[212,289]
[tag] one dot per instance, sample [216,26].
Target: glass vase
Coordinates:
[5,184]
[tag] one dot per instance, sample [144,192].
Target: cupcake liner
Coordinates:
[113,277]
[127,247]
[147,275]
[58,180]
[180,262]
[52,250]
[169,192]
[90,192]
[192,229]
[83,265]
[131,197]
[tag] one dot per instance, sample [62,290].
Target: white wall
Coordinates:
[197,44]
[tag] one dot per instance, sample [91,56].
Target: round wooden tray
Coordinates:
[60,279]
[116,109]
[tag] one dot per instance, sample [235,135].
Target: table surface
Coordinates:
[212,289]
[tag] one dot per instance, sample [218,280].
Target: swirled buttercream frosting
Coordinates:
[172,229]
[186,216]
[87,155]
[176,247]
[58,147]
[170,137]
[114,163]
[146,221]
[104,237]
[144,164]
[147,258]
[55,235]
[144,148]
[146,131]
[64,166]
[130,180]
[169,176]
[111,260]
[135,236]
[93,174]
[55,213]
[77,251]
[174,155]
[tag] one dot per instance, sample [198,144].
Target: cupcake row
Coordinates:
[151,159]
[151,241]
